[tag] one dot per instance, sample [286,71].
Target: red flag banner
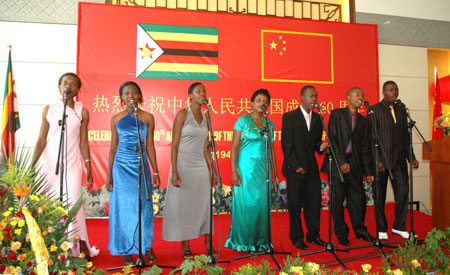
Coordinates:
[166,50]
[287,56]
[437,108]
[10,118]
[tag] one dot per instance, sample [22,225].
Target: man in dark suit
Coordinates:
[392,126]
[349,133]
[301,136]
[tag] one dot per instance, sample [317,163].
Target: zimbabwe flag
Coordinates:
[177,52]
[10,119]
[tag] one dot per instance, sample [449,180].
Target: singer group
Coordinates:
[371,148]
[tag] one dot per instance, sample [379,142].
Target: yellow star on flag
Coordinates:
[146,51]
[273,45]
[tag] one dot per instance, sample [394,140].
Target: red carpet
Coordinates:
[169,253]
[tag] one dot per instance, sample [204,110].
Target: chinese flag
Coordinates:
[289,56]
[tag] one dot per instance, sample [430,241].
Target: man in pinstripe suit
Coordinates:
[392,126]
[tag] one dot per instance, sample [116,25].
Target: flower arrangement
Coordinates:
[444,123]
[33,226]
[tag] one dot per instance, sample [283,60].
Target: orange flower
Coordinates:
[40,209]
[45,233]
[444,123]
[50,262]
[82,255]
[21,257]
[21,191]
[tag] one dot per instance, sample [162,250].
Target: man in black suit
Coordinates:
[349,133]
[392,126]
[301,136]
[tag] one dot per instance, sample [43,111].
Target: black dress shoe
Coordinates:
[344,242]
[301,245]
[317,241]
[366,237]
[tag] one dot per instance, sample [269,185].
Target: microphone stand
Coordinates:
[331,248]
[140,262]
[377,145]
[60,161]
[411,125]
[212,150]
[269,164]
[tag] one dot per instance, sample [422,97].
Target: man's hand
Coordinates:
[323,146]
[300,171]
[345,168]
[415,164]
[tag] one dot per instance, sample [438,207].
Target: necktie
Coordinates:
[308,121]
[393,113]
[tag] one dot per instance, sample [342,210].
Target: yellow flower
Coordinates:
[89,264]
[313,267]
[34,197]
[366,267]
[10,270]
[283,273]
[11,209]
[297,269]
[6,213]
[155,197]
[53,248]
[155,209]
[15,245]
[65,246]
[18,231]
[21,222]
[398,272]
[64,211]
[50,229]
[415,263]
[13,223]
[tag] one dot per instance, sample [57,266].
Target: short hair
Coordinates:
[354,89]
[263,92]
[303,91]
[72,75]
[192,87]
[388,83]
[130,83]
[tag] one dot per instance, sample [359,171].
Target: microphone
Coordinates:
[367,104]
[135,105]
[264,109]
[399,103]
[204,101]
[318,107]
[67,91]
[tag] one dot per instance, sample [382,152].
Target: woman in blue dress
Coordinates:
[249,215]
[122,178]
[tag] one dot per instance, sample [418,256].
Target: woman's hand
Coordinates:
[235,179]
[176,181]
[156,181]
[277,179]
[89,179]
[109,184]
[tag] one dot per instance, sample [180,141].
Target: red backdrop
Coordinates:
[331,56]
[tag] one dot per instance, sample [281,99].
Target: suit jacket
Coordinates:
[299,144]
[394,137]
[340,131]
